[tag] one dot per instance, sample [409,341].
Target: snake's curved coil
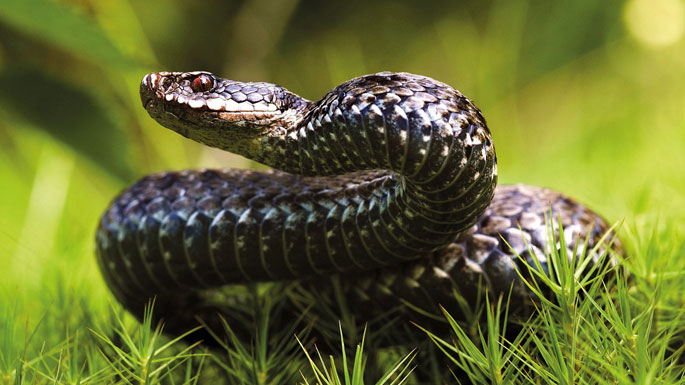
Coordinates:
[397,172]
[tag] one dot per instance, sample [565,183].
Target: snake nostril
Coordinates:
[166,83]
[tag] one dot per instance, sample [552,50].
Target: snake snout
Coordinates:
[147,88]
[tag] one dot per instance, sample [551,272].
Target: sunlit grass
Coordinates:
[587,329]
[328,373]
[267,356]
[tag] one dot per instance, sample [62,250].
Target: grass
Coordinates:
[330,374]
[598,329]
[602,107]
[594,324]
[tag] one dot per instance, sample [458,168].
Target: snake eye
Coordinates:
[202,83]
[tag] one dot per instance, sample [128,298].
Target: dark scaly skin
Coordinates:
[515,225]
[404,164]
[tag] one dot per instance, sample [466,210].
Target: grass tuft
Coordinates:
[143,357]
[590,326]
[330,373]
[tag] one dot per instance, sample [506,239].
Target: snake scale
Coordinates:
[388,181]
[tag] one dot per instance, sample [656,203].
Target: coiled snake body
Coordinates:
[388,180]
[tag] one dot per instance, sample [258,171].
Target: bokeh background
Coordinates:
[587,97]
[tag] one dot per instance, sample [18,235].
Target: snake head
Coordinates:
[223,113]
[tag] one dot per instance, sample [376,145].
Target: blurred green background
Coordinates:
[587,97]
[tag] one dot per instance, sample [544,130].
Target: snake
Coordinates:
[387,183]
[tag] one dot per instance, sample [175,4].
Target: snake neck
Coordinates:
[431,139]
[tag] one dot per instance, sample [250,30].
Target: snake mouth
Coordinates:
[226,110]
[236,117]
[157,107]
